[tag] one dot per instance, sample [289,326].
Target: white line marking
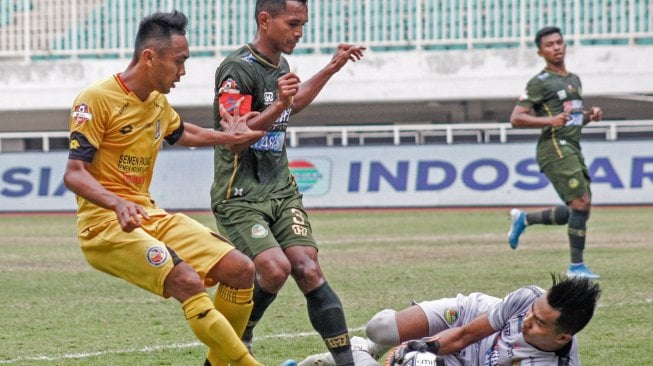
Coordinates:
[148,349]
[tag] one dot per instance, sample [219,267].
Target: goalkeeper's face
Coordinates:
[539,327]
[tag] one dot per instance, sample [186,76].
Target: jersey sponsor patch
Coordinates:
[575,119]
[575,109]
[272,141]
[268,97]
[156,256]
[259,231]
[572,88]
[451,315]
[81,113]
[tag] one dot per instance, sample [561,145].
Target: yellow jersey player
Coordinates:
[116,129]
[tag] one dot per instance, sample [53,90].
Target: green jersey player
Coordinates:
[254,197]
[553,101]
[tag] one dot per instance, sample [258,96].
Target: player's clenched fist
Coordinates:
[288,86]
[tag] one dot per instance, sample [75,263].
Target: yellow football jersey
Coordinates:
[120,136]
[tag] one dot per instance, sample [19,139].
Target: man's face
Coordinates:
[539,328]
[168,64]
[553,48]
[287,28]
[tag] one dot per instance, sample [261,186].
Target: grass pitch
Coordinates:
[56,310]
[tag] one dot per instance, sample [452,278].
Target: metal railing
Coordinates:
[34,29]
[481,132]
[400,134]
[19,139]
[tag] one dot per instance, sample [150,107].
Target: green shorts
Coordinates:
[569,176]
[256,226]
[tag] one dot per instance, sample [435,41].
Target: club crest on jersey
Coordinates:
[571,88]
[562,94]
[451,315]
[229,86]
[81,113]
[259,231]
[573,183]
[156,256]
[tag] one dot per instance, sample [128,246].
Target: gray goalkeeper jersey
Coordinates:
[507,346]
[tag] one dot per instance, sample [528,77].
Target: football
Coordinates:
[417,358]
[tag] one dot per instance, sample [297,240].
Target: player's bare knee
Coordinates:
[382,328]
[234,270]
[271,277]
[244,278]
[583,203]
[307,274]
[183,282]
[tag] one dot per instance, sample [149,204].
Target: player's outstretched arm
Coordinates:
[309,89]
[235,131]
[454,339]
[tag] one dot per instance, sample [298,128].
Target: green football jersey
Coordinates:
[260,172]
[549,94]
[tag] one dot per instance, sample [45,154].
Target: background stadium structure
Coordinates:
[429,61]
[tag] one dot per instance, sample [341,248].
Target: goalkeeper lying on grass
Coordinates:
[477,329]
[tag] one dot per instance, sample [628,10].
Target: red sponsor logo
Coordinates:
[136,179]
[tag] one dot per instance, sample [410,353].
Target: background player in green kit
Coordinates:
[555,97]
[254,197]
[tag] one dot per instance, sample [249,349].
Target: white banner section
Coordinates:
[366,176]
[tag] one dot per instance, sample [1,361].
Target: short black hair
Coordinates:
[575,298]
[273,7]
[159,27]
[545,32]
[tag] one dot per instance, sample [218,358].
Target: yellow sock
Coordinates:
[214,330]
[236,305]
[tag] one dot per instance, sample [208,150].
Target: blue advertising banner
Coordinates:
[366,176]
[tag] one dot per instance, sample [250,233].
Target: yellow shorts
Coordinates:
[142,256]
